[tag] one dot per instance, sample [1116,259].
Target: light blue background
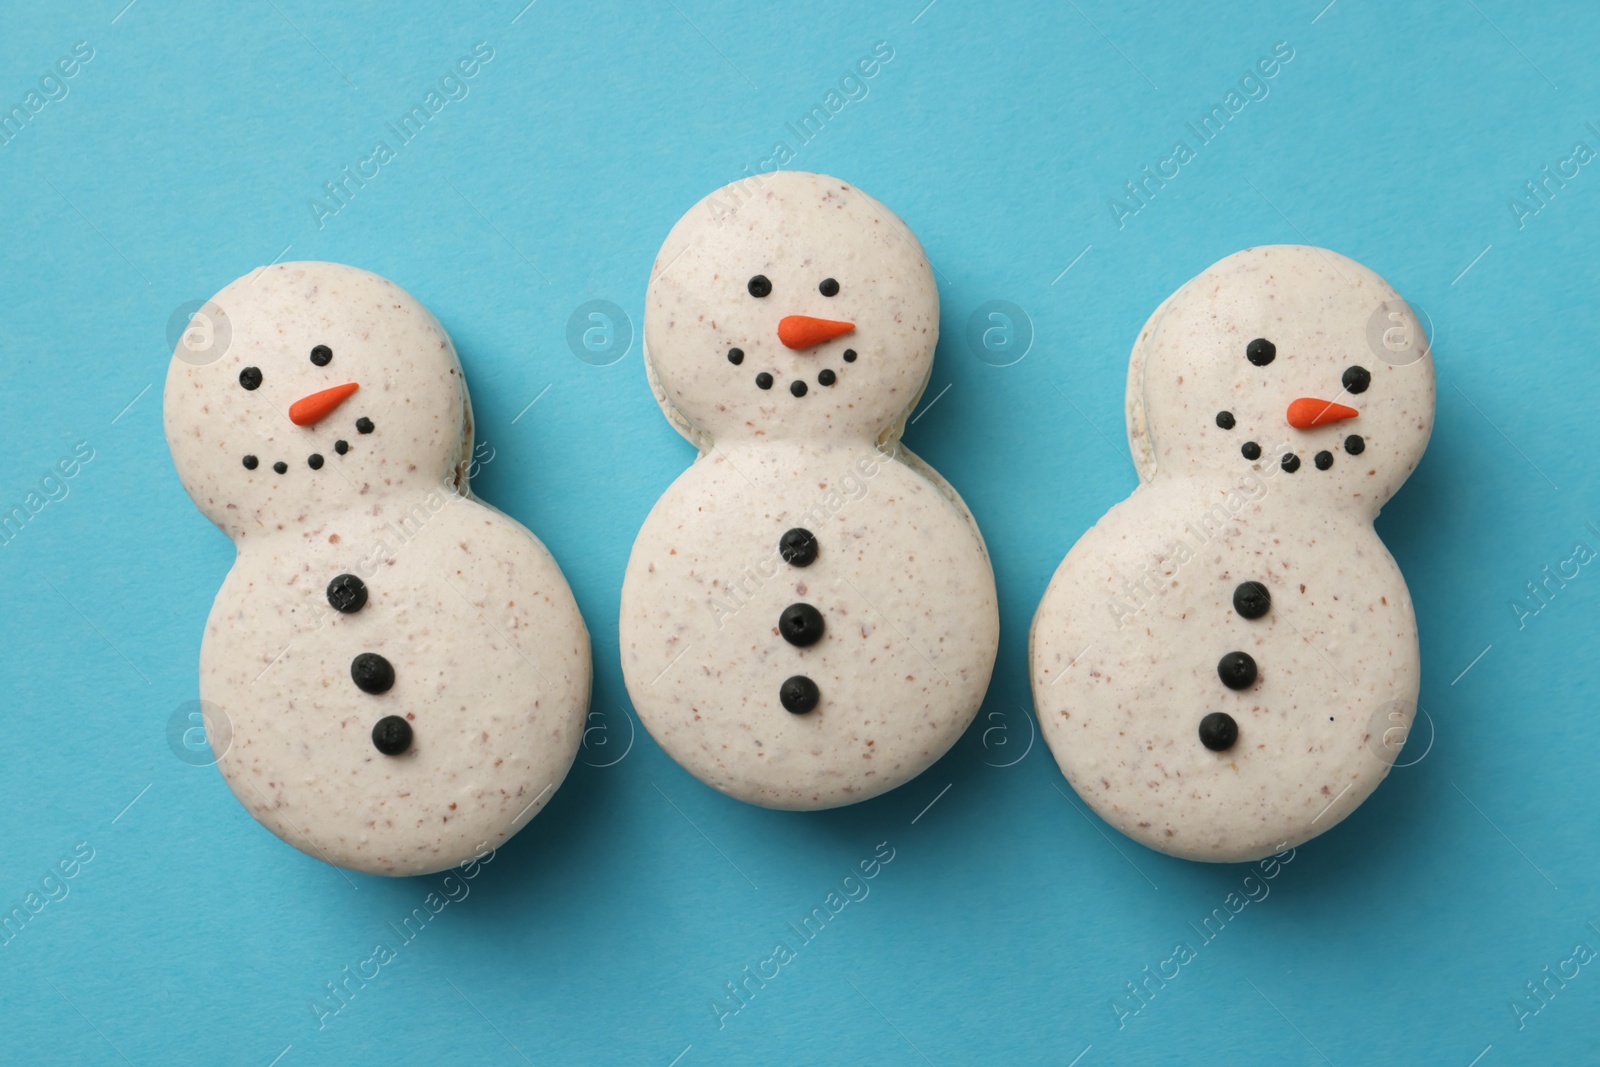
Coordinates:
[185,155]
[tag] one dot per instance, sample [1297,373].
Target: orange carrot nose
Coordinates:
[1308,412]
[803,331]
[310,410]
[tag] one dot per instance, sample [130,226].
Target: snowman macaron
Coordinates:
[1224,664]
[808,616]
[394,674]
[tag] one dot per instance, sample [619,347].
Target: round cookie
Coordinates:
[808,617]
[395,674]
[1223,664]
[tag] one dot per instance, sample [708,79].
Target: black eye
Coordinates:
[1261,351]
[1225,419]
[829,287]
[322,355]
[250,377]
[1356,379]
[759,286]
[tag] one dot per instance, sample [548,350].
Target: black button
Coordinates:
[1237,670]
[347,593]
[1252,600]
[391,735]
[798,547]
[1218,731]
[801,625]
[799,694]
[372,673]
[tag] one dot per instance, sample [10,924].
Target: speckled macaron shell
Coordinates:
[1324,313]
[901,579]
[489,653]
[412,393]
[796,230]
[1129,639]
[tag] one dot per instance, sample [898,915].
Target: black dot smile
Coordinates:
[1289,462]
[316,460]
